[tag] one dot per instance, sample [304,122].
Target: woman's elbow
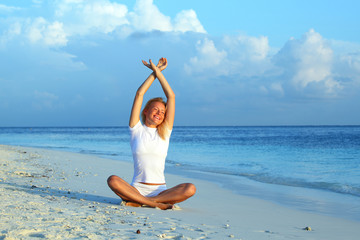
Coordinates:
[171,95]
[140,93]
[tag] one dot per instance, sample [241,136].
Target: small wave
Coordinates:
[284,181]
[103,153]
[293,182]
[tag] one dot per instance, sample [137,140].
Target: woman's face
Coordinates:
[155,114]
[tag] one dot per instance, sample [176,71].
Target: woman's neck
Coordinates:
[150,125]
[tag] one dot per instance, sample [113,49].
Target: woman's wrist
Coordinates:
[156,72]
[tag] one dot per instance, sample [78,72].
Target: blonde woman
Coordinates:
[149,145]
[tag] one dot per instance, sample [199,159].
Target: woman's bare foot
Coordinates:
[132,204]
[162,206]
[165,206]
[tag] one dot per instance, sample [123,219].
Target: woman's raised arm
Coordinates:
[170,95]
[138,100]
[136,107]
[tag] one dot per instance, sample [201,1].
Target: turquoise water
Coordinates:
[318,157]
[324,158]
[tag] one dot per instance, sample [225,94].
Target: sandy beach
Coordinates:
[59,195]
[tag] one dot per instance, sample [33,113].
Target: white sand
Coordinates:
[58,195]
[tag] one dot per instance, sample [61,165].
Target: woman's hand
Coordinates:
[162,64]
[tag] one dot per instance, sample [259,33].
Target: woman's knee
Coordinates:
[113,179]
[190,189]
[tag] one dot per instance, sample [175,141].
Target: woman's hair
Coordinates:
[161,128]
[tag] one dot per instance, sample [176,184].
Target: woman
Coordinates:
[149,144]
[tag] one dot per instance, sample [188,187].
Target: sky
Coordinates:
[230,63]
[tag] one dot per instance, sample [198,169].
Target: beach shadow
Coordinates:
[48,191]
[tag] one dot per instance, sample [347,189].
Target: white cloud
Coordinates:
[51,34]
[346,66]
[308,67]
[36,31]
[308,62]
[240,56]
[147,17]
[248,55]
[248,48]
[91,17]
[208,59]
[187,20]
[14,30]
[352,62]
[55,35]
[5,8]
[84,17]
[313,59]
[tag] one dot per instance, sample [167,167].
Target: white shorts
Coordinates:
[149,190]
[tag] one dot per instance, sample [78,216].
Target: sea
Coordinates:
[311,168]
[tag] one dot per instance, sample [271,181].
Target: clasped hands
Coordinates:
[162,64]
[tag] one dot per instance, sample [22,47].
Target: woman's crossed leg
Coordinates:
[163,200]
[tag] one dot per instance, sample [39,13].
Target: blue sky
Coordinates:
[233,62]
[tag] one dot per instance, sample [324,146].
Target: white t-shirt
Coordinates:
[149,154]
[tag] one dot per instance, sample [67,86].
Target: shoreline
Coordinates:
[320,201]
[72,187]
